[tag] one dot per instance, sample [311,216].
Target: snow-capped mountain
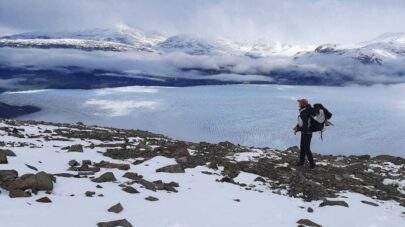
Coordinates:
[122,38]
[390,46]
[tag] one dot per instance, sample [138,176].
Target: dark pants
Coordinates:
[305,147]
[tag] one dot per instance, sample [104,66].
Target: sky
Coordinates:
[291,21]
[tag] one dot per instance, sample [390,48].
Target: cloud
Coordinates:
[304,21]
[115,108]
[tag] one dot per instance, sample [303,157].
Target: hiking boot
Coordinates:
[312,166]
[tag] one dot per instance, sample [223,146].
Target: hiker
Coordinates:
[304,126]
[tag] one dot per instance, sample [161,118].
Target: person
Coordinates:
[304,126]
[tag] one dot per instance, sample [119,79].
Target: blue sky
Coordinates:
[297,21]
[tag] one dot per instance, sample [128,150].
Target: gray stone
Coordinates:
[122,223]
[370,203]
[171,169]
[8,152]
[106,177]
[151,198]
[7,176]
[308,222]
[17,193]
[310,210]
[89,193]
[44,181]
[31,167]
[3,158]
[76,148]
[73,163]
[333,203]
[44,200]
[130,190]
[117,208]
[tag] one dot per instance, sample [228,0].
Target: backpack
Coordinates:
[320,118]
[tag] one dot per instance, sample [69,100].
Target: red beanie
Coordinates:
[303,102]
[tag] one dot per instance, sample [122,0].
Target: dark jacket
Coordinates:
[304,119]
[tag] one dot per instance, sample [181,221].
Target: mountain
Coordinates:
[119,39]
[380,60]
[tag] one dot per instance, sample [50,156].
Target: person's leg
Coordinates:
[302,150]
[308,150]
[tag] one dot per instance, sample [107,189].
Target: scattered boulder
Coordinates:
[106,177]
[130,190]
[7,152]
[73,163]
[151,198]
[76,148]
[370,203]
[333,203]
[31,167]
[171,169]
[3,158]
[117,208]
[109,165]
[17,193]
[122,223]
[44,181]
[7,177]
[310,210]
[132,176]
[44,200]
[307,222]
[89,193]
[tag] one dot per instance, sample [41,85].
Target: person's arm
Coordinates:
[305,122]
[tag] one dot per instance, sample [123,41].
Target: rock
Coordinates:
[333,203]
[237,200]
[117,208]
[86,162]
[17,193]
[7,176]
[370,203]
[106,177]
[89,193]
[99,186]
[260,179]
[147,184]
[31,167]
[308,222]
[110,165]
[130,190]
[26,181]
[132,176]
[3,158]
[171,169]
[73,163]
[64,175]
[76,148]
[7,152]
[151,198]
[44,181]
[310,210]
[44,200]
[122,223]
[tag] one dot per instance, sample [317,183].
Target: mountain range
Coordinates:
[207,60]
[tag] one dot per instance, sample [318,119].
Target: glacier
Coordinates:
[368,120]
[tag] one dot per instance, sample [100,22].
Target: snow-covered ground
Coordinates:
[368,120]
[200,201]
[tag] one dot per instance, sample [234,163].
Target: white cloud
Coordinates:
[303,21]
[118,108]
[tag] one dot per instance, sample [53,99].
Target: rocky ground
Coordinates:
[48,163]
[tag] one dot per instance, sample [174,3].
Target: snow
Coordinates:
[200,202]
[261,116]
